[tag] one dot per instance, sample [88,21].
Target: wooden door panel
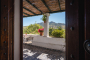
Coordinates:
[87,25]
[74,30]
[6,29]
[11,28]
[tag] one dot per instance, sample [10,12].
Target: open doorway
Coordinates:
[74,26]
[36,46]
[50,45]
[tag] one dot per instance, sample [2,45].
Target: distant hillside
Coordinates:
[51,24]
[54,25]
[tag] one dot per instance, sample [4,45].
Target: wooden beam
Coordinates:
[59,4]
[26,13]
[29,10]
[34,6]
[46,5]
[57,11]
[41,14]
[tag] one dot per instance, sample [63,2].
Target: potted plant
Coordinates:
[44,18]
[41,31]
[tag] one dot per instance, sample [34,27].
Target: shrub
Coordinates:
[33,29]
[58,33]
[64,33]
[50,31]
[59,28]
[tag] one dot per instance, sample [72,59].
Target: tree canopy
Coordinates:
[32,29]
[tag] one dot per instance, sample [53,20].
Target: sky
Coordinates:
[55,17]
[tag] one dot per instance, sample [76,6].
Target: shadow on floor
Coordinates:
[38,53]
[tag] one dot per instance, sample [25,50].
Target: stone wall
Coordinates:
[48,42]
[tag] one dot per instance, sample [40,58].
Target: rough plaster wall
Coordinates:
[17,30]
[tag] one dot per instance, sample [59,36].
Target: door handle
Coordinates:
[87,46]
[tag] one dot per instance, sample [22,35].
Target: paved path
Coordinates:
[37,53]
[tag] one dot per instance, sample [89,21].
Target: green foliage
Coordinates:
[50,31]
[64,34]
[44,17]
[32,29]
[59,28]
[58,33]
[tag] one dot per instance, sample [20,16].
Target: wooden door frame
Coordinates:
[21,29]
[7,23]
[80,24]
[87,25]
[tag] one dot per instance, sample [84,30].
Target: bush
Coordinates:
[64,33]
[50,31]
[58,33]
[59,28]
[33,29]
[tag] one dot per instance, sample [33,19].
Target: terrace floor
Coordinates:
[31,52]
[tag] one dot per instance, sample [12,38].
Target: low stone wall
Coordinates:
[49,42]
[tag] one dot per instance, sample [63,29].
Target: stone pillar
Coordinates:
[46,26]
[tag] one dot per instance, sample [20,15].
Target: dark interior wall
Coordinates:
[6,29]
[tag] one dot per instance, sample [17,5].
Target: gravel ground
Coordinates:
[31,52]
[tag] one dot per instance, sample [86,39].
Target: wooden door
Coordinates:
[6,29]
[87,25]
[75,30]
